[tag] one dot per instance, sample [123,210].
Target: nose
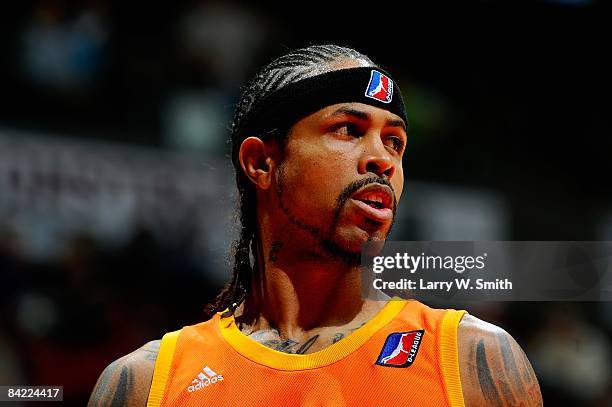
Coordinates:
[376,159]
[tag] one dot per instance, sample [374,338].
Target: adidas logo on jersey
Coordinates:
[204,379]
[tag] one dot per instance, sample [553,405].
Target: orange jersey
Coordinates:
[405,356]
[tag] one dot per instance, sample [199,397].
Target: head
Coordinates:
[330,176]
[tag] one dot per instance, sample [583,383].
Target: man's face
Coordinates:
[341,176]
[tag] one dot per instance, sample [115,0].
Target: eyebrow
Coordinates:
[359,114]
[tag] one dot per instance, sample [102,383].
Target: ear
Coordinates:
[256,161]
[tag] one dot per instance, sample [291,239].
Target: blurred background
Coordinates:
[117,195]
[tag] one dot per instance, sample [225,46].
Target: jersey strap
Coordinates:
[449,357]
[162,368]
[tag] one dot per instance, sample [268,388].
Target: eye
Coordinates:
[395,142]
[347,129]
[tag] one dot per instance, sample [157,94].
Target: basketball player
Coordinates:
[318,138]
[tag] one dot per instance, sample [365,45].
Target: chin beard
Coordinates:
[324,240]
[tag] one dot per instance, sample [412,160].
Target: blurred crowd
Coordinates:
[504,142]
[63,321]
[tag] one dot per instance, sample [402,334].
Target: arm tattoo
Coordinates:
[126,381]
[117,384]
[484,376]
[108,393]
[150,350]
[100,391]
[512,381]
[509,366]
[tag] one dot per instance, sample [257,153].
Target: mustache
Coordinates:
[355,186]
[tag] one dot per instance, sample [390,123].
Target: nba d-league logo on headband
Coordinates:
[380,87]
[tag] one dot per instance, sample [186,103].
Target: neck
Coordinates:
[294,293]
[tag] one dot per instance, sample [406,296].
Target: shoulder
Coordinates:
[494,369]
[127,380]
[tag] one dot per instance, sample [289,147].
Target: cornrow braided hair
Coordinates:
[289,68]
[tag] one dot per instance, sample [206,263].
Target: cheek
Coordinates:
[398,183]
[314,179]
[333,157]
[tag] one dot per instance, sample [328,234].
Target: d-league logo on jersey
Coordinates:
[380,87]
[205,378]
[400,349]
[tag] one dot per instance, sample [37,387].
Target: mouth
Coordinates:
[375,201]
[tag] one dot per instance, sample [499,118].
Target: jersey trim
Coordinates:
[263,355]
[449,357]
[162,368]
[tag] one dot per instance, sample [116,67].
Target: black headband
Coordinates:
[283,107]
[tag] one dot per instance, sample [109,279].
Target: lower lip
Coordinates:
[379,215]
